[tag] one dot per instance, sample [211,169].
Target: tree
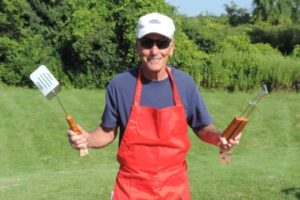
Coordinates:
[276,11]
[86,45]
[206,31]
[24,43]
[237,15]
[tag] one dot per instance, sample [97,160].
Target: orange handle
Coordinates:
[72,124]
[235,127]
[232,131]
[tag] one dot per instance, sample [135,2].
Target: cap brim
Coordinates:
[145,31]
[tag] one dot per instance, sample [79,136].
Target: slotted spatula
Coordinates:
[49,86]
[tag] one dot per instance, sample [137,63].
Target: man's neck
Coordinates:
[155,75]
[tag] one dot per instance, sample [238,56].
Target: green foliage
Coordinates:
[206,32]
[240,65]
[85,43]
[86,46]
[25,42]
[247,70]
[11,21]
[233,70]
[282,37]
[296,51]
[281,73]
[238,42]
[276,12]
[188,58]
[237,15]
[23,57]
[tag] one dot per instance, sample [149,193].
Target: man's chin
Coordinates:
[155,67]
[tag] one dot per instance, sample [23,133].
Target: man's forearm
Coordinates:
[209,134]
[101,137]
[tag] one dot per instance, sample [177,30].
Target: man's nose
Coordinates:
[154,49]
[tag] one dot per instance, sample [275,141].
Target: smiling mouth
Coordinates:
[154,59]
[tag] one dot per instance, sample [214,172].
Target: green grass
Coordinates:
[37,163]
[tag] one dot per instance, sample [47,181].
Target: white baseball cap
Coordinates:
[155,23]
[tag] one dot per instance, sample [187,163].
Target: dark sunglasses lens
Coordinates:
[162,44]
[148,43]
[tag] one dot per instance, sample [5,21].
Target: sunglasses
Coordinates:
[149,43]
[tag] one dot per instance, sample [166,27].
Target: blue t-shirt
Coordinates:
[158,94]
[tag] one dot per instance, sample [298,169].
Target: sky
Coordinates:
[215,7]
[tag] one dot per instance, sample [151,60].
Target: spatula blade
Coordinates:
[45,81]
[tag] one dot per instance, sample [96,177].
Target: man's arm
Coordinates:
[98,138]
[211,135]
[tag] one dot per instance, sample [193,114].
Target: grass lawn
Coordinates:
[37,163]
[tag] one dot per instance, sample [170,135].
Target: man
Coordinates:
[152,105]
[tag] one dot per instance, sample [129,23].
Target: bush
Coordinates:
[24,57]
[280,37]
[188,57]
[296,52]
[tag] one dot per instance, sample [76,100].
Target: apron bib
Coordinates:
[152,152]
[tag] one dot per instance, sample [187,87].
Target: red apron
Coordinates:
[152,152]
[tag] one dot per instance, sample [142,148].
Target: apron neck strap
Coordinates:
[138,89]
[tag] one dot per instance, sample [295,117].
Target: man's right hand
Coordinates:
[78,141]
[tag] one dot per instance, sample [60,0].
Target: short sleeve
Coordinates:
[110,114]
[198,115]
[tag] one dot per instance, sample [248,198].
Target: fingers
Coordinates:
[77,141]
[228,144]
[234,141]
[224,143]
[238,137]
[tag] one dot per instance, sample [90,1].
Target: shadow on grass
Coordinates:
[292,191]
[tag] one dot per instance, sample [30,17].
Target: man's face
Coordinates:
[154,51]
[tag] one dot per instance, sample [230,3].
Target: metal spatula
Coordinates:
[49,86]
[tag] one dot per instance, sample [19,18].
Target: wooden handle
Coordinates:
[235,127]
[73,126]
[225,156]
[232,131]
